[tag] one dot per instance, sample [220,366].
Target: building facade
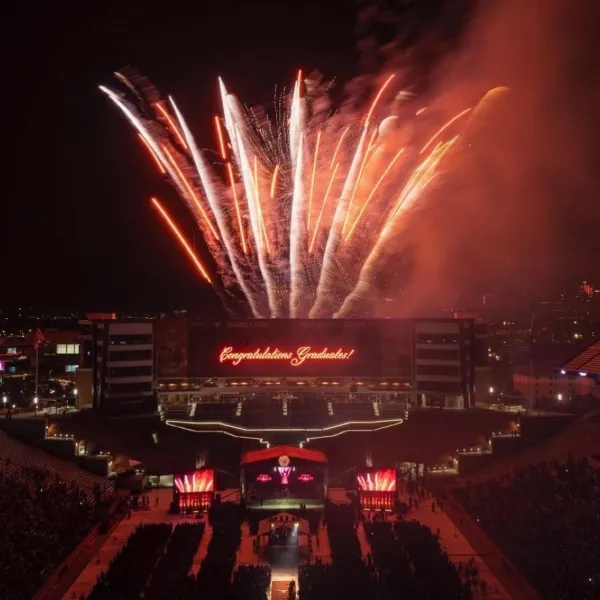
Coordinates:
[429,362]
[123,365]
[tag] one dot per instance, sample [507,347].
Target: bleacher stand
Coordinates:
[47,508]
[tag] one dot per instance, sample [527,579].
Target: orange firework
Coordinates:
[274,181]
[322,193]
[190,191]
[337,148]
[443,128]
[357,182]
[179,236]
[312,179]
[220,138]
[237,208]
[263,229]
[153,155]
[331,179]
[163,111]
[373,191]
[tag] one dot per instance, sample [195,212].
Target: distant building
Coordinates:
[123,365]
[545,382]
[58,354]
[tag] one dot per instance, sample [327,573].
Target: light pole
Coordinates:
[35,404]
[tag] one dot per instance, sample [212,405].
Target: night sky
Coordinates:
[77,227]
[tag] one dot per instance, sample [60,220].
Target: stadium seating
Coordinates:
[44,516]
[545,519]
[17,455]
[579,439]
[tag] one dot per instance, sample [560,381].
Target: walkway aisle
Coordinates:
[280,582]
[365,547]
[87,578]
[202,549]
[245,553]
[457,547]
[322,549]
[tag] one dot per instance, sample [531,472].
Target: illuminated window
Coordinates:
[71,368]
[67,348]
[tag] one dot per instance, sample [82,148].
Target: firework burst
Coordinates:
[300,208]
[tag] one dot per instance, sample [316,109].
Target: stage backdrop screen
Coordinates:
[383,480]
[201,480]
[300,347]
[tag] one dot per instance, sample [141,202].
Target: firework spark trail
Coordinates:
[331,180]
[297,234]
[365,160]
[373,191]
[443,128]
[312,179]
[294,217]
[423,175]
[263,227]
[222,148]
[241,142]
[298,220]
[179,236]
[338,146]
[215,204]
[190,190]
[238,213]
[323,294]
[239,138]
[142,129]
[274,181]
[163,111]
[153,154]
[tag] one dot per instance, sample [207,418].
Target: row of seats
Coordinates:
[42,521]
[579,439]
[17,455]
[544,518]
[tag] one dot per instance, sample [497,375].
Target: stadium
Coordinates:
[290,458]
[312,376]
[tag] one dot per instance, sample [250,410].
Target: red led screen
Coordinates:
[198,481]
[377,481]
[300,347]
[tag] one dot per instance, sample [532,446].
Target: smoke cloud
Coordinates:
[520,213]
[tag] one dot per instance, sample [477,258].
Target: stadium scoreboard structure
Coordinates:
[299,348]
[434,357]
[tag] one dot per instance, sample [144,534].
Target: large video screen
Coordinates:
[297,348]
[201,480]
[297,478]
[383,480]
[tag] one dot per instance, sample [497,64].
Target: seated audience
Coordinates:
[42,521]
[545,520]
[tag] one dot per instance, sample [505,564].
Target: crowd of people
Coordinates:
[42,521]
[544,518]
[157,561]
[132,567]
[170,577]
[251,582]
[348,575]
[406,561]
[411,564]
